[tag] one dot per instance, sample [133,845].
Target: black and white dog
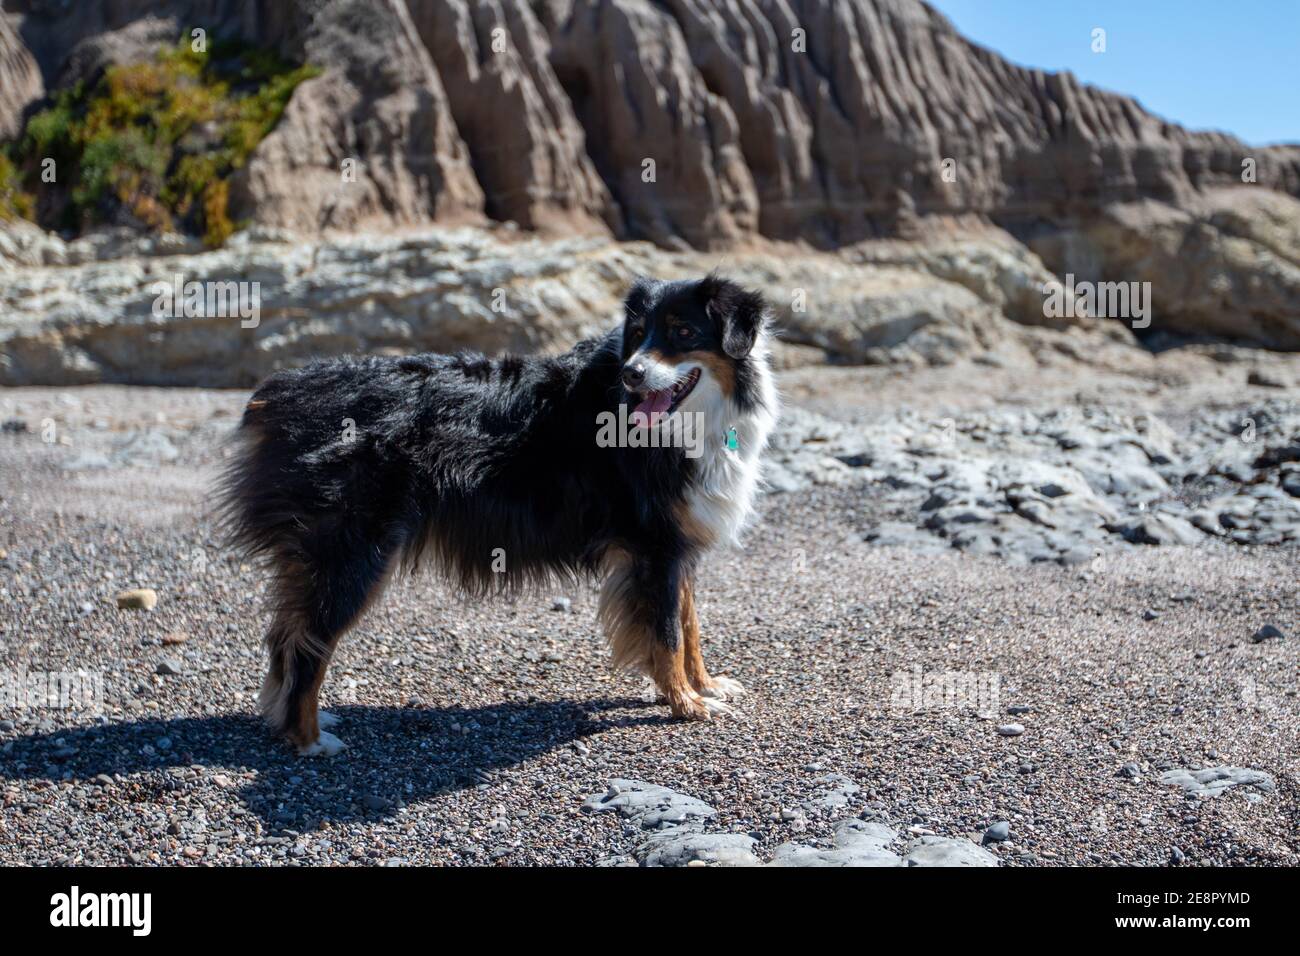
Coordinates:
[493,469]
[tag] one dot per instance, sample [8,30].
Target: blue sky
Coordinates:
[1231,65]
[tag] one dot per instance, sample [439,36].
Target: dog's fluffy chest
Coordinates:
[720,500]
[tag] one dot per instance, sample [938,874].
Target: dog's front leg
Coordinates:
[719,688]
[640,608]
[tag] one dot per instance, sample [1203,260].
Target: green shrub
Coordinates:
[14,202]
[158,140]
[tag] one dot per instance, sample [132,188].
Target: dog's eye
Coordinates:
[634,334]
[683,333]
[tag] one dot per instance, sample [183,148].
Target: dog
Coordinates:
[491,469]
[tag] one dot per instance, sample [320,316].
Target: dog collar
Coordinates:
[730,440]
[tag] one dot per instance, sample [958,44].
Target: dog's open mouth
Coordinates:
[666,400]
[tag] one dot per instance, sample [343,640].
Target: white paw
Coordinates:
[724,688]
[326,745]
[715,707]
[326,720]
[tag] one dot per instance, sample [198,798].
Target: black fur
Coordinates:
[488,468]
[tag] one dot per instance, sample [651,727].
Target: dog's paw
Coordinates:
[723,688]
[716,707]
[326,745]
[325,720]
[696,707]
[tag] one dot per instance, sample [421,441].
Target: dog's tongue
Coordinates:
[656,403]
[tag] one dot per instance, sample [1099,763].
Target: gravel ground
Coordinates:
[476,731]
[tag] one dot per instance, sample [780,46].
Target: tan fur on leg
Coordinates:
[693,660]
[634,646]
[282,637]
[669,675]
[293,710]
[304,726]
[630,640]
[693,657]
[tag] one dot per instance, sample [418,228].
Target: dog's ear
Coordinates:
[738,312]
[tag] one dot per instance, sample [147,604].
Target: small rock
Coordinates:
[1268,631]
[562,604]
[648,805]
[1263,379]
[945,851]
[174,638]
[999,832]
[1010,730]
[138,599]
[1159,529]
[1017,709]
[1215,781]
[1149,615]
[857,843]
[682,846]
[169,667]
[1176,856]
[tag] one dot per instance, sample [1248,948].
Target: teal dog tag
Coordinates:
[730,439]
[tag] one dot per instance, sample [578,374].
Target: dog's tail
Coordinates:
[251,509]
[232,519]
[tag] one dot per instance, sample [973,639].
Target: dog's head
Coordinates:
[686,343]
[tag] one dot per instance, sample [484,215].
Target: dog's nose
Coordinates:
[634,375]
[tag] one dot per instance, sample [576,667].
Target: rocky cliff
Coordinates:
[792,119]
[708,123]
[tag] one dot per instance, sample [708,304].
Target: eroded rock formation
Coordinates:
[712,122]
[20,81]
[792,119]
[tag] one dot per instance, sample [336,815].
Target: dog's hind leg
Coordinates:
[291,691]
[320,598]
[718,688]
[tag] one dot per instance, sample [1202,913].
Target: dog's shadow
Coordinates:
[395,756]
